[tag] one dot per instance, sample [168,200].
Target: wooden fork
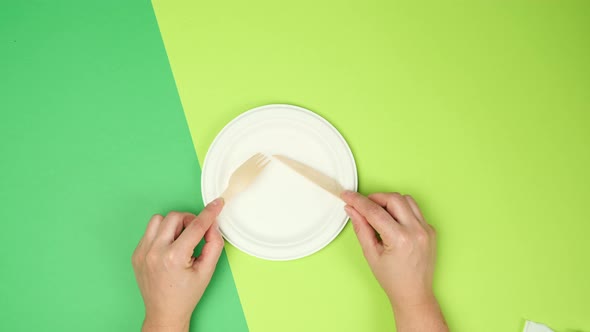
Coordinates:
[244,175]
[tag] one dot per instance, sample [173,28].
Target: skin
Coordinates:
[401,257]
[170,279]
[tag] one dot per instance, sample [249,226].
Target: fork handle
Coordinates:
[227,194]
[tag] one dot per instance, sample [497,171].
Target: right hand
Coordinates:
[403,258]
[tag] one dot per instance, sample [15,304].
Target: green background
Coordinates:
[480,110]
[93,142]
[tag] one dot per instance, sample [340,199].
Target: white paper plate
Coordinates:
[282,215]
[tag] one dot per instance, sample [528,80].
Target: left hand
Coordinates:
[170,279]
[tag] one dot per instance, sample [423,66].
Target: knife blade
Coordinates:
[320,179]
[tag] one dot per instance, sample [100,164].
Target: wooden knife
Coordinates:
[320,179]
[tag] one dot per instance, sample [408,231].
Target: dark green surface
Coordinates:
[93,141]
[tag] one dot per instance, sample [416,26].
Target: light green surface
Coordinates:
[481,111]
[93,141]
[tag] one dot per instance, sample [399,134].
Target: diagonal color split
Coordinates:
[480,113]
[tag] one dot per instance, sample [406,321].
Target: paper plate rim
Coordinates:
[206,200]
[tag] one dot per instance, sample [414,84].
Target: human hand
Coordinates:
[402,259]
[170,279]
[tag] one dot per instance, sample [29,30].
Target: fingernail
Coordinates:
[348,210]
[217,201]
[346,193]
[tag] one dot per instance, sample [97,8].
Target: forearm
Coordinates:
[422,317]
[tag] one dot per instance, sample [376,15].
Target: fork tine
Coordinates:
[262,160]
[253,160]
[245,174]
[261,166]
[260,157]
[252,163]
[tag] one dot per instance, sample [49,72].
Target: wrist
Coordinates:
[416,309]
[417,299]
[155,324]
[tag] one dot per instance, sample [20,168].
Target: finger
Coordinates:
[171,227]
[377,217]
[194,232]
[397,206]
[415,208]
[207,260]
[152,229]
[149,235]
[364,232]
